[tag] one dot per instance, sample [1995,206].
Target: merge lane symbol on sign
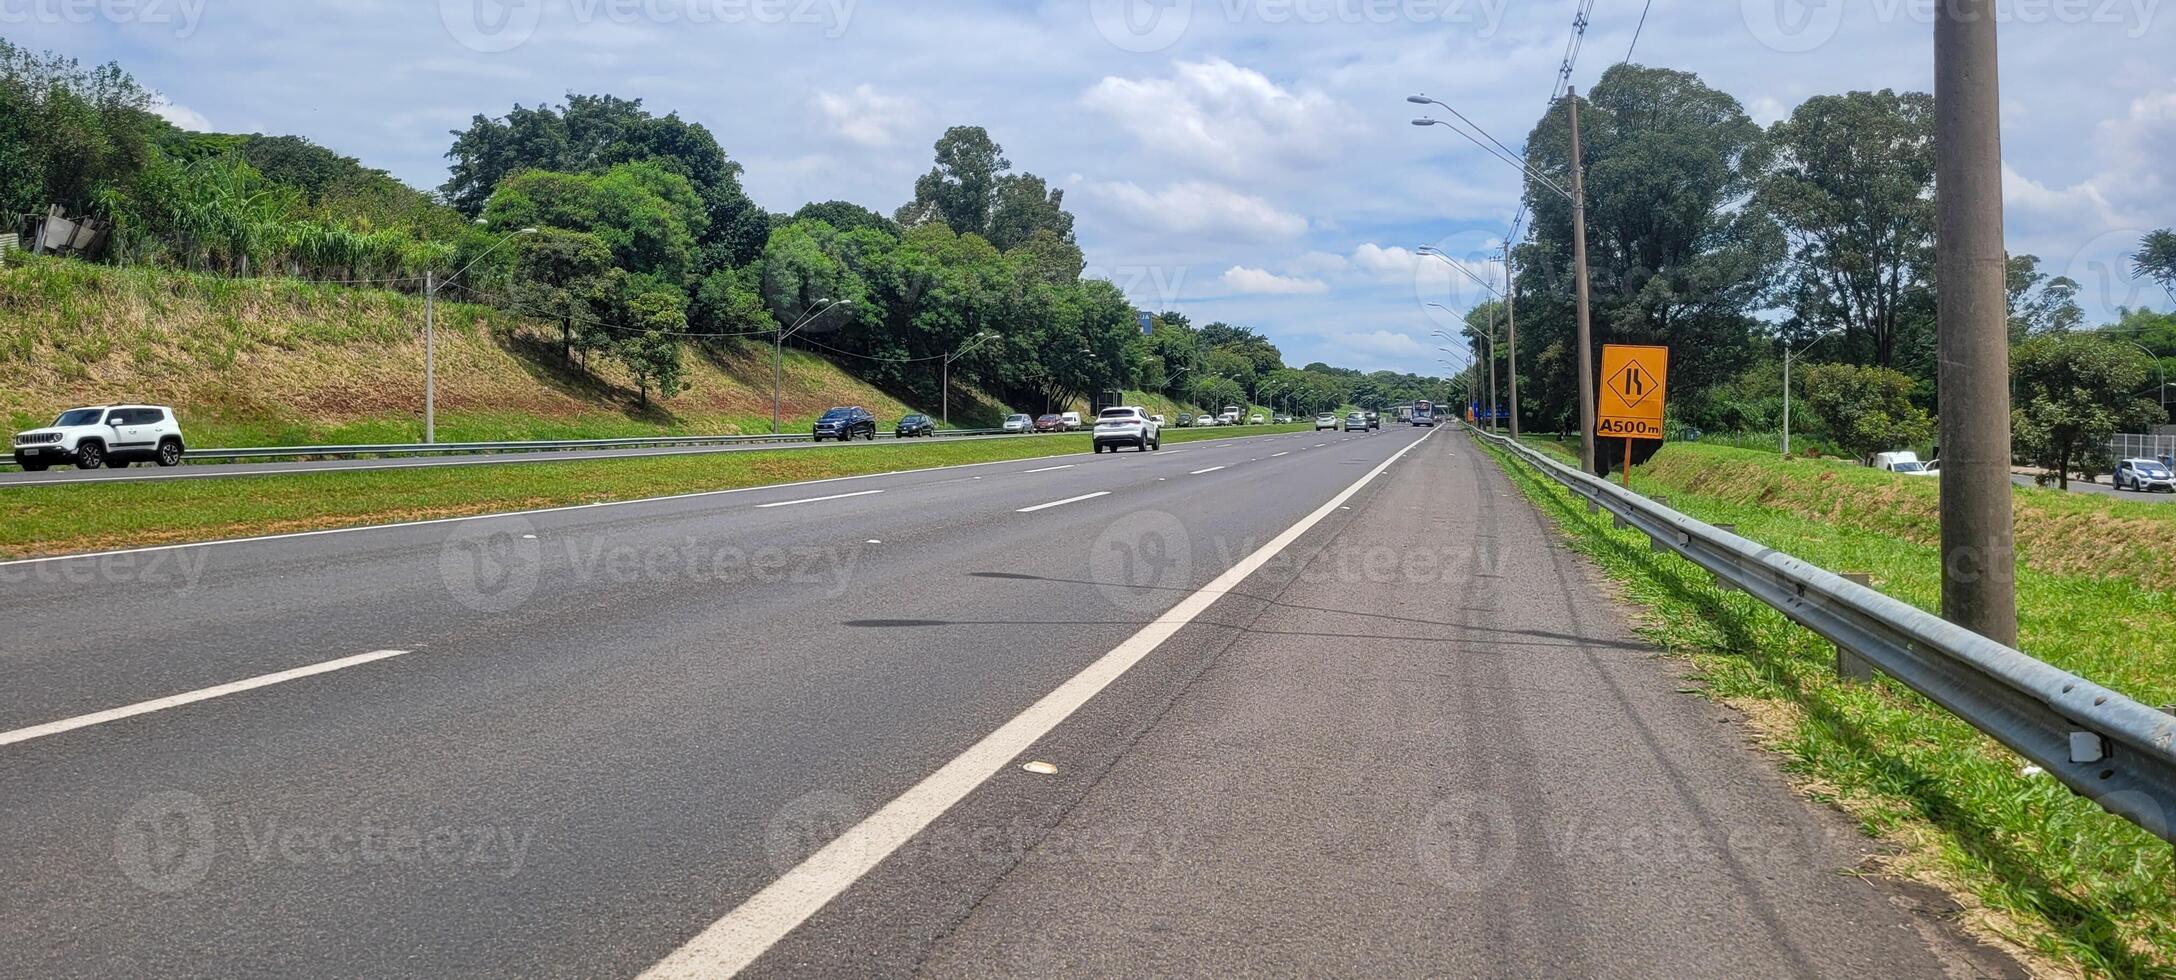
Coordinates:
[1634,385]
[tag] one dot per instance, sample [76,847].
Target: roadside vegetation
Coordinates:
[62,519]
[2034,865]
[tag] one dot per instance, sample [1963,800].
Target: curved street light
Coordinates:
[1577,196]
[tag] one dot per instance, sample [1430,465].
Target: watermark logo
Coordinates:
[1793,26]
[491,26]
[2105,272]
[183,16]
[807,825]
[164,843]
[1466,844]
[1142,26]
[491,566]
[1141,562]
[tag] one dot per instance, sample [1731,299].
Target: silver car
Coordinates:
[1019,424]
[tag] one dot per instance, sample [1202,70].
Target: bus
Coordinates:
[1424,413]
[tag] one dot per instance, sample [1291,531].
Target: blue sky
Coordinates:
[1242,160]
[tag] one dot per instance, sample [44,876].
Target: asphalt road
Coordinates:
[572,743]
[198,471]
[2103,489]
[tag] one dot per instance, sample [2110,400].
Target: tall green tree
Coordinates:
[972,191]
[1852,184]
[1867,410]
[2075,391]
[1677,258]
[2038,302]
[649,350]
[2156,259]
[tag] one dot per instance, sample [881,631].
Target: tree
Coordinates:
[2074,393]
[971,191]
[651,351]
[1853,187]
[565,276]
[845,216]
[649,216]
[2039,303]
[1866,410]
[2156,259]
[1677,258]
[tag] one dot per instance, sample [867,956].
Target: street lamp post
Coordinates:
[946,398]
[778,353]
[2157,366]
[1789,356]
[1577,197]
[430,333]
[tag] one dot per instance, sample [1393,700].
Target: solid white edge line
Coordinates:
[733,942]
[816,500]
[1050,469]
[1211,469]
[177,700]
[1061,503]
[516,513]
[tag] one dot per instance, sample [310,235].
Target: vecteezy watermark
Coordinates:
[491,566]
[495,26]
[1469,272]
[182,15]
[168,842]
[179,569]
[1146,26]
[821,819]
[1150,287]
[494,565]
[1142,562]
[1799,26]
[2106,275]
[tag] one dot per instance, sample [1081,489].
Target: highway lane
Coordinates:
[593,750]
[197,471]
[598,740]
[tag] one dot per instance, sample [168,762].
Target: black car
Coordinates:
[915,425]
[845,423]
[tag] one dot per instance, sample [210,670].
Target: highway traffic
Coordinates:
[785,729]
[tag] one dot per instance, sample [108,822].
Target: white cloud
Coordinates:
[1199,208]
[1241,279]
[180,115]
[1385,263]
[1232,120]
[866,116]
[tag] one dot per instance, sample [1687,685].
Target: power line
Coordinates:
[1636,32]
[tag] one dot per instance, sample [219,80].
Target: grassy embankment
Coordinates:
[63,519]
[2078,889]
[267,362]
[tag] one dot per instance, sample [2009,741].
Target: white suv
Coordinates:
[1128,427]
[106,435]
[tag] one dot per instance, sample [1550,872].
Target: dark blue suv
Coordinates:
[844,424]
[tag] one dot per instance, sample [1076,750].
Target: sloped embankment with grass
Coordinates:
[273,362]
[2032,864]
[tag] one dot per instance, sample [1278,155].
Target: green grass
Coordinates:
[2049,871]
[63,519]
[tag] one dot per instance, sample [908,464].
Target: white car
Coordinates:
[1326,421]
[1072,420]
[1903,462]
[103,435]
[1255,419]
[1128,426]
[2145,475]
[1019,424]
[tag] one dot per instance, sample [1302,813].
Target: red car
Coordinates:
[1050,423]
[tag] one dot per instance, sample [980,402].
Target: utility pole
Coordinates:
[1492,370]
[430,357]
[1979,559]
[1511,323]
[1579,256]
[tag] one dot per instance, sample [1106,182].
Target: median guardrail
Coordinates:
[557,445]
[2108,748]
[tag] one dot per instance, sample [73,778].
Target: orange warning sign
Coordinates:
[1634,380]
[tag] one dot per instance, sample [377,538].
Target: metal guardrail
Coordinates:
[2108,748]
[443,448]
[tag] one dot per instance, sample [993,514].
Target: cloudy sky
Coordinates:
[1243,160]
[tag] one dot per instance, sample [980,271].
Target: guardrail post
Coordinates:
[1850,667]
[1719,583]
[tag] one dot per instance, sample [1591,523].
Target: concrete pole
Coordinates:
[1579,256]
[1786,399]
[430,357]
[1511,322]
[1979,564]
[778,374]
[1492,370]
